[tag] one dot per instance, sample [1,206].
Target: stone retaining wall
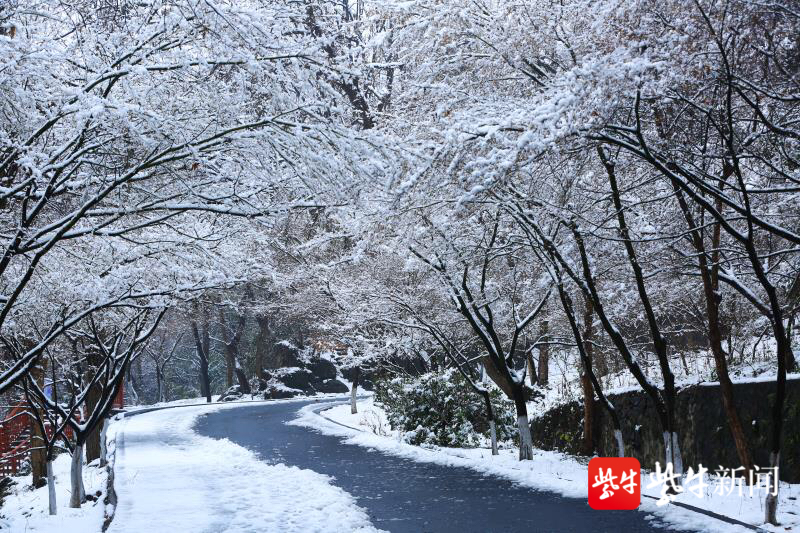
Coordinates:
[704,435]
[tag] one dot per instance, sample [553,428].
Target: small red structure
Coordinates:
[15,434]
[119,399]
[15,439]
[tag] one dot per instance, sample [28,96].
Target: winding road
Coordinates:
[406,496]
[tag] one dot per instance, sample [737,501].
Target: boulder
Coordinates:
[322,368]
[232,394]
[282,355]
[332,386]
[297,378]
[281,392]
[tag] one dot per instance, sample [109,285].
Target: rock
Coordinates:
[282,355]
[6,483]
[232,394]
[332,386]
[297,378]
[281,392]
[322,368]
[702,426]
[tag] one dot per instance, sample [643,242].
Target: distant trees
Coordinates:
[652,162]
[471,183]
[131,137]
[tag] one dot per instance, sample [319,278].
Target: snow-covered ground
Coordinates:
[201,400]
[169,478]
[27,510]
[553,471]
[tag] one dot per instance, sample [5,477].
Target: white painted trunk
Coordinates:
[677,459]
[493,433]
[353,403]
[525,440]
[667,449]
[620,443]
[77,496]
[51,489]
[672,453]
[103,449]
[771,501]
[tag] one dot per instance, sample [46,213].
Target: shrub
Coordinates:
[440,408]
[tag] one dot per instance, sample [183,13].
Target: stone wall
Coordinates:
[704,435]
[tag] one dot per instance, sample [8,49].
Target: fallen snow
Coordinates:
[249,398]
[552,471]
[26,509]
[169,478]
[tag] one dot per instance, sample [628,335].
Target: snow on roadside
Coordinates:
[201,400]
[169,478]
[26,509]
[551,471]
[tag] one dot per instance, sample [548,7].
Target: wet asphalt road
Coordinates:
[406,496]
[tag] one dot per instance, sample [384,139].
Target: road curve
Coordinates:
[407,496]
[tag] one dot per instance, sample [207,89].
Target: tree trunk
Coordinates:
[672,453]
[544,354]
[709,275]
[531,369]
[228,369]
[51,488]
[38,456]
[244,384]
[132,388]
[585,350]
[771,502]
[587,447]
[492,425]
[586,381]
[660,345]
[158,384]
[78,495]
[38,452]
[103,442]
[353,391]
[261,344]
[93,438]
[497,377]
[232,366]
[132,380]
[523,426]
[202,344]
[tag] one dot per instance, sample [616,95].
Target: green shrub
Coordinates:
[440,408]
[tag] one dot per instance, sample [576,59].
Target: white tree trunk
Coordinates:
[78,495]
[353,404]
[103,449]
[620,443]
[667,449]
[525,440]
[51,488]
[677,459]
[771,502]
[493,433]
[672,453]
